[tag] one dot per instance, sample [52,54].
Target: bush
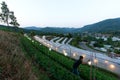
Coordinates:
[98,45]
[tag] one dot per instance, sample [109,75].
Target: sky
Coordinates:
[63,13]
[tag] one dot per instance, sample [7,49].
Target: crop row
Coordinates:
[53,68]
[85,71]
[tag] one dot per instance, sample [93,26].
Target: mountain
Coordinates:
[32,28]
[51,29]
[109,25]
[57,30]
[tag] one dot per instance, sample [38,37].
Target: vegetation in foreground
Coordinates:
[13,64]
[65,62]
[52,67]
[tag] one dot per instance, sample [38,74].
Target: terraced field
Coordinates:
[59,66]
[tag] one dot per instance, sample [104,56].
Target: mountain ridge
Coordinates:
[101,26]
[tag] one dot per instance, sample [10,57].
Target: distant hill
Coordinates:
[108,25]
[15,29]
[57,30]
[33,28]
[10,28]
[51,29]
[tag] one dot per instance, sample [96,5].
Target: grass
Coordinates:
[38,71]
[14,65]
[56,70]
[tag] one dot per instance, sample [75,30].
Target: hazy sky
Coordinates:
[63,13]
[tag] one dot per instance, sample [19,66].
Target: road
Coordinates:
[97,59]
[85,47]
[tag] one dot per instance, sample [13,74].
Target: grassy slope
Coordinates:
[14,65]
[56,70]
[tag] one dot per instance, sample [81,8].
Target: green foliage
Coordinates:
[11,29]
[67,63]
[6,15]
[69,35]
[88,38]
[109,40]
[75,41]
[13,20]
[98,45]
[32,33]
[117,51]
[52,67]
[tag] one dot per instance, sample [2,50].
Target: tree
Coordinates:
[97,44]
[109,41]
[32,33]
[1,17]
[69,35]
[8,16]
[117,51]
[5,13]
[13,20]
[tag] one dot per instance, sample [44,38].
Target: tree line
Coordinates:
[7,16]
